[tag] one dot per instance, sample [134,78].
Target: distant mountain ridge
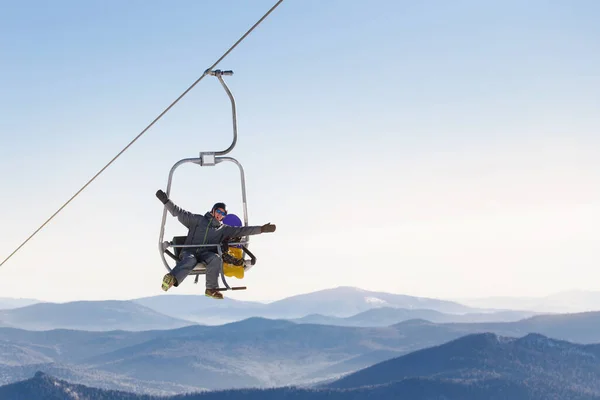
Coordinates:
[252,353]
[50,388]
[346,301]
[344,306]
[386,316]
[340,302]
[561,302]
[169,311]
[542,362]
[89,315]
[9,303]
[575,327]
[153,313]
[101,379]
[474,367]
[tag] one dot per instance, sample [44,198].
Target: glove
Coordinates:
[267,228]
[162,196]
[229,259]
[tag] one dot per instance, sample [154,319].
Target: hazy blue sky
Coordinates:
[433,148]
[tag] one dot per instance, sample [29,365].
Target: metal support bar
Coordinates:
[164,216]
[221,271]
[219,74]
[243,182]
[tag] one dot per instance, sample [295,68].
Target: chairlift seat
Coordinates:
[228,268]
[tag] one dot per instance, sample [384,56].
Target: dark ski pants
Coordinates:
[187,262]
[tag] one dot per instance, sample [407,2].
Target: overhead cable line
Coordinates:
[206,72]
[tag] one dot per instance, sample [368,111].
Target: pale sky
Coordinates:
[438,149]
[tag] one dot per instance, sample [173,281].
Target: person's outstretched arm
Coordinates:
[185,217]
[234,231]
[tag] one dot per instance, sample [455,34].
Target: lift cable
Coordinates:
[208,70]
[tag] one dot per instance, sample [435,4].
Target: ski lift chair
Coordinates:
[211,159]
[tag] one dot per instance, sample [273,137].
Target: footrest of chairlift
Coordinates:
[222,289]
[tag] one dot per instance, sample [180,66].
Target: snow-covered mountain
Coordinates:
[337,302]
